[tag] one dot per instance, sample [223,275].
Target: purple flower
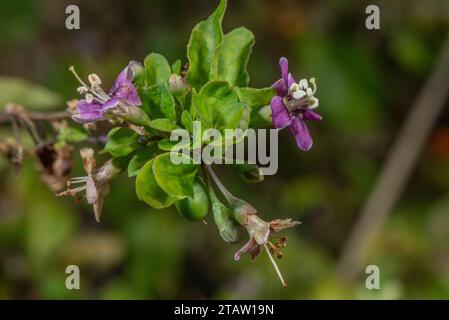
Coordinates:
[97,102]
[293,104]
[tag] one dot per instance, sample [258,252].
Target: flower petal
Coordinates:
[111,103]
[290,80]
[246,247]
[279,86]
[88,112]
[281,117]
[301,133]
[311,115]
[128,93]
[283,63]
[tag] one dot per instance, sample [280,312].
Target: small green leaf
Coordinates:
[214,97]
[233,116]
[257,100]
[149,191]
[168,145]
[121,142]
[165,125]
[232,56]
[176,67]
[206,37]
[158,102]
[157,69]
[142,156]
[175,179]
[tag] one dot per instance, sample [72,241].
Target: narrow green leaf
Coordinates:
[206,37]
[149,191]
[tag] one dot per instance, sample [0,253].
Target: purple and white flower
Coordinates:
[97,102]
[293,104]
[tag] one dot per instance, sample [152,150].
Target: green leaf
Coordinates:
[257,100]
[158,102]
[142,156]
[176,67]
[168,145]
[232,56]
[175,179]
[233,116]
[157,69]
[206,37]
[149,191]
[187,121]
[212,100]
[121,142]
[165,125]
[223,219]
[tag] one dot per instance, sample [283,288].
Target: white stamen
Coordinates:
[284,284]
[298,94]
[303,84]
[94,80]
[102,99]
[313,103]
[89,98]
[82,90]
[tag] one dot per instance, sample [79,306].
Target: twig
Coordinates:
[397,168]
[37,116]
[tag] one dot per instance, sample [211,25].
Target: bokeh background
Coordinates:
[367,83]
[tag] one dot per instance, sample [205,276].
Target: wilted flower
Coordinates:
[259,235]
[259,232]
[293,104]
[97,102]
[96,183]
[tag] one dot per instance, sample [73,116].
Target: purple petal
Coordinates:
[301,133]
[281,117]
[283,63]
[290,81]
[308,114]
[121,80]
[88,112]
[279,86]
[111,103]
[128,93]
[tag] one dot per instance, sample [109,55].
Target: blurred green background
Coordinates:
[367,82]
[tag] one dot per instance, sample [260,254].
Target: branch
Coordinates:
[397,168]
[6,118]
